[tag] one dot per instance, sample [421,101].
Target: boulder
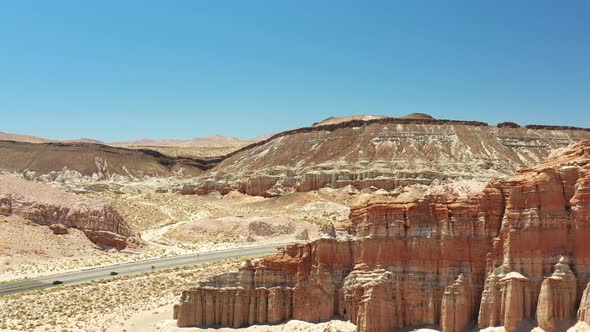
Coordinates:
[58,229]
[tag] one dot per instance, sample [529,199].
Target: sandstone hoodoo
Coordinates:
[383,152]
[46,205]
[515,255]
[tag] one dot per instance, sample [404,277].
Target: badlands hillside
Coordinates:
[515,255]
[359,188]
[385,153]
[60,210]
[365,151]
[55,161]
[87,159]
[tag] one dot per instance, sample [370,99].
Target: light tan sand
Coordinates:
[159,319]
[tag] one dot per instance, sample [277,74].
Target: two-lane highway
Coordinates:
[69,278]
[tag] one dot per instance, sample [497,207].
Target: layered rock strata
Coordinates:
[90,162]
[46,205]
[385,153]
[515,255]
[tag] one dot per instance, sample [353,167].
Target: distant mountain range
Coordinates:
[213,141]
[364,151]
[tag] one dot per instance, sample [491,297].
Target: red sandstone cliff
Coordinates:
[46,205]
[515,255]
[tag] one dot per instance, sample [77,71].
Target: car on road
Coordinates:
[58,282]
[114,273]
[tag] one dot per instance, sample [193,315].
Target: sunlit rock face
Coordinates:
[46,205]
[385,153]
[515,255]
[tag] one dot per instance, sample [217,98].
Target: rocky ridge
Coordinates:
[213,141]
[514,255]
[214,146]
[91,162]
[384,153]
[46,205]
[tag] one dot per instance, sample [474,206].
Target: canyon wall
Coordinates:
[46,205]
[515,255]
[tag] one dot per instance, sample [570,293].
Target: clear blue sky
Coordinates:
[114,70]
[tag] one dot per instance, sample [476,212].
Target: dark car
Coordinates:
[58,282]
[114,273]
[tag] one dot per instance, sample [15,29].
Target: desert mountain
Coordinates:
[51,161]
[386,153]
[367,117]
[35,139]
[213,141]
[84,140]
[514,255]
[22,138]
[206,147]
[364,151]
[336,120]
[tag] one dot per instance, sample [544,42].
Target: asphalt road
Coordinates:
[70,278]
